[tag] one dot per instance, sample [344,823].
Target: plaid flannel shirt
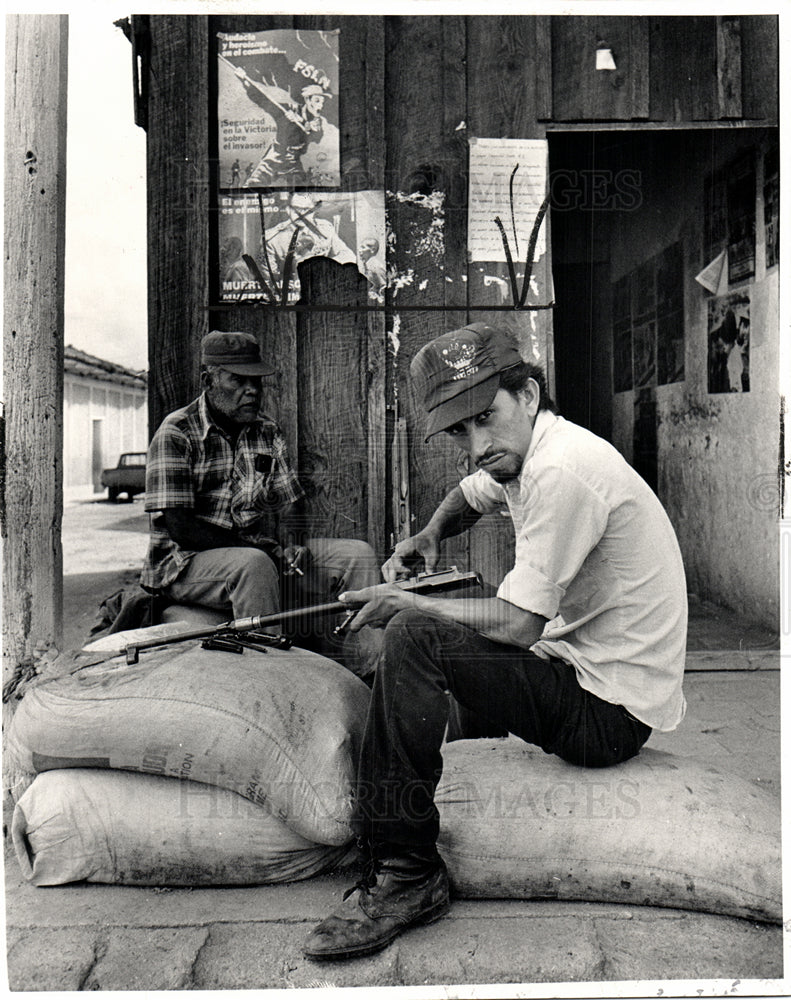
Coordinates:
[193,464]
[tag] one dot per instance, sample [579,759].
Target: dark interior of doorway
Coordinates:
[594,176]
[585,188]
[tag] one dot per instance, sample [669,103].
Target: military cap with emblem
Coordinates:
[458,374]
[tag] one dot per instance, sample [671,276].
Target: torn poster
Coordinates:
[262,239]
[277,109]
[508,180]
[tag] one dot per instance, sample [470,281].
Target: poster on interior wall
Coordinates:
[277,109]
[644,354]
[715,215]
[741,219]
[772,205]
[669,280]
[670,348]
[622,299]
[262,239]
[729,342]
[644,297]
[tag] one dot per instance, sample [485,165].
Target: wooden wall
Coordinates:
[413,90]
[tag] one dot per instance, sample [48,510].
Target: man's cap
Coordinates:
[314,88]
[458,374]
[302,199]
[235,352]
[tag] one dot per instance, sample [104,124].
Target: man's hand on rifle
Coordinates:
[409,553]
[380,604]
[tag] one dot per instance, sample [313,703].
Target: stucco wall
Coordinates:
[124,427]
[717,452]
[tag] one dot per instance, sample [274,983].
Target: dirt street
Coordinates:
[103,548]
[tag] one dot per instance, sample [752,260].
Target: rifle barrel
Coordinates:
[458,582]
[248,624]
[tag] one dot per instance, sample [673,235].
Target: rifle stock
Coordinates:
[423,583]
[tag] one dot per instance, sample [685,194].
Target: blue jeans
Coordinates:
[424,658]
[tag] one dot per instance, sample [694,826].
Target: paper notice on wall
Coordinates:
[712,275]
[508,181]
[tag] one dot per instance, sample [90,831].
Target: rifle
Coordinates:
[240,633]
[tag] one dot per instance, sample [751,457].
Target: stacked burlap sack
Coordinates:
[192,767]
[207,768]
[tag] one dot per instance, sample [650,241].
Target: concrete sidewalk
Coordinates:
[120,938]
[124,938]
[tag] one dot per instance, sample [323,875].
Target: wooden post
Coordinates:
[729,67]
[178,207]
[35,206]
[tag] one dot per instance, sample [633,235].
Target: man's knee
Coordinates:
[359,560]
[411,625]
[359,550]
[414,626]
[252,567]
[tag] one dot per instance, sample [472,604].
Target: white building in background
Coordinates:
[105,413]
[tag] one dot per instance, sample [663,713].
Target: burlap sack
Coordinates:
[280,728]
[658,830]
[137,829]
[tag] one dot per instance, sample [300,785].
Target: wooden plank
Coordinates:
[371,40]
[35,205]
[178,208]
[362,99]
[332,418]
[682,69]
[579,90]
[729,67]
[425,169]
[542,60]
[760,67]
[639,45]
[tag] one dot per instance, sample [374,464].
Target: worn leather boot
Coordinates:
[392,895]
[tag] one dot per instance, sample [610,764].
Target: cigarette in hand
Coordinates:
[293,565]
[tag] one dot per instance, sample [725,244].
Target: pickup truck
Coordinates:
[128,477]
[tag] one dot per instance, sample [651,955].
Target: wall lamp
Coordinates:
[604,56]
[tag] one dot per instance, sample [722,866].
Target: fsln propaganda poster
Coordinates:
[264,237]
[277,109]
